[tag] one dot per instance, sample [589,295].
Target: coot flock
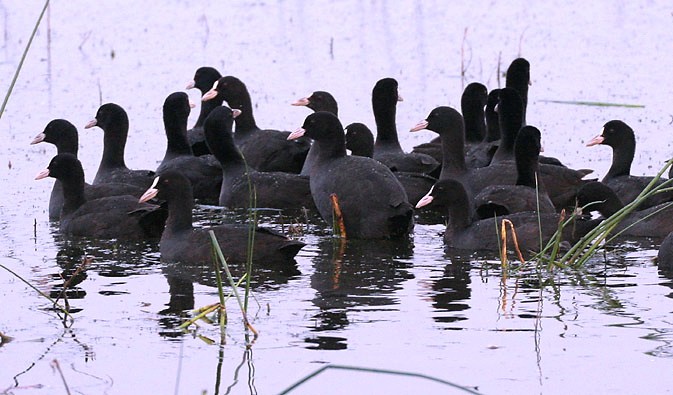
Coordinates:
[484,165]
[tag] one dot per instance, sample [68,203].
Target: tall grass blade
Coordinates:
[232,283]
[593,103]
[252,221]
[23,58]
[537,205]
[590,243]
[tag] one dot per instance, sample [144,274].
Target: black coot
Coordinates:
[264,150]
[360,141]
[270,189]
[204,172]
[204,78]
[510,120]
[387,148]
[528,193]
[64,136]
[464,233]
[373,202]
[478,153]
[518,78]
[115,124]
[618,135]
[655,221]
[181,242]
[317,101]
[112,217]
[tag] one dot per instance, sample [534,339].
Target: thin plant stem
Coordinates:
[54,303]
[252,221]
[220,289]
[56,366]
[85,262]
[537,202]
[234,289]
[590,243]
[23,58]
[338,225]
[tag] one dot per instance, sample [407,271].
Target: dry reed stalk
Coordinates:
[338,216]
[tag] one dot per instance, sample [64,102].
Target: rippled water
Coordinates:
[404,307]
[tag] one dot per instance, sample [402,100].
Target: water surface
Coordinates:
[411,307]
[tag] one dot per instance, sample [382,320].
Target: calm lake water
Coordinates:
[409,307]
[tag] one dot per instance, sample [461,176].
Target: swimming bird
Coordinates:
[64,136]
[373,202]
[462,232]
[204,78]
[387,148]
[528,193]
[621,138]
[204,172]
[181,242]
[114,121]
[655,221]
[243,187]
[112,217]
[360,141]
[263,149]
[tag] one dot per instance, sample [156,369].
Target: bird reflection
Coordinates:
[181,278]
[181,290]
[452,291]
[354,274]
[69,259]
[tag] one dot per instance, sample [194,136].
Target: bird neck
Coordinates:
[68,145]
[206,108]
[245,121]
[622,158]
[459,211]
[114,143]
[221,143]
[73,194]
[176,136]
[475,124]
[492,126]
[330,149]
[527,169]
[386,128]
[453,155]
[180,208]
